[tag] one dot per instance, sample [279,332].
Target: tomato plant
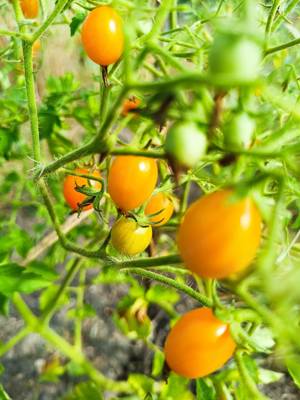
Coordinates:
[131,180]
[178,262]
[228,234]
[159,208]
[198,344]
[102,35]
[129,238]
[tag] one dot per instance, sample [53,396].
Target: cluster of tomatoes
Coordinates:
[219,234]
[127,235]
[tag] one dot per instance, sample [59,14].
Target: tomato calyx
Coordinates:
[94,196]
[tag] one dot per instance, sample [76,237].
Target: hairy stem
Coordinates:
[169,282]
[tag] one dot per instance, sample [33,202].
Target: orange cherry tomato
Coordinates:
[129,105]
[102,35]
[30,8]
[162,206]
[72,197]
[198,344]
[131,181]
[219,236]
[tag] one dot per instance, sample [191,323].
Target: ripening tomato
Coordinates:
[30,8]
[219,236]
[36,48]
[129,105]
[102,35]
[162,206]
[131,181]
[72,197]
[185,143]
[235,58]
[198,344]
[129,238]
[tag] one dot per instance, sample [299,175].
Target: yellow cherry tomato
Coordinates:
[129,238]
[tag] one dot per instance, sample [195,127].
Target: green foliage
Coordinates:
[83,391]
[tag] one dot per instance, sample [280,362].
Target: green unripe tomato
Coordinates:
[239,132]
[185,143]
[235,59]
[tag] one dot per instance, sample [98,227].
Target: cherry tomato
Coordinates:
[129,105]
[162,206]
[185,143]
[102,35]
[219,236]
[198,344]
[72,197]
[235,58]
[129,238]
[131,181]
[30,8]
[239,132]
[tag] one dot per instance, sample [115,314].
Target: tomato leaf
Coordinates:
[204,390]
[158,363]
[76,22]
[293,366]
[176,389]
[84,391]
[15,278]
[141,384]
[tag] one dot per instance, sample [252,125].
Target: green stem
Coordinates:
[148,262]
[136,152]
[4,348]
[161,51]
[63,240]
[79,307]
[271,17]
[281,16]
[173,18]
[282,46]
[159,21]
[267,260]
[57,9]
[87,176]
[66,348]
[4,32]
[246,377]
[104,94]
[169,282]
[185,197]
[31,101]
[50,307]
[76,154]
